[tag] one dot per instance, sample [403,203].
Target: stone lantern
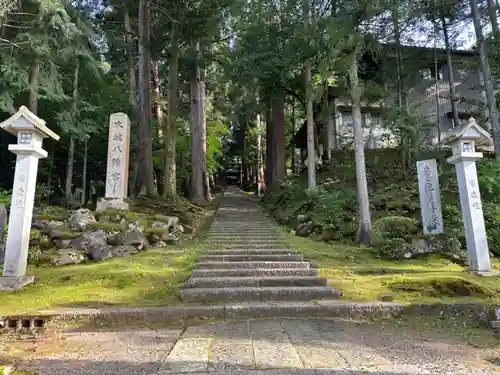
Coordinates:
[30,132]
[463,141]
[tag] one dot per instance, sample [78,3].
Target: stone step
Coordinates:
[258,294]
[254,258]
[259,281]
[252,251]
[255,272]
[249,246]
[251,265]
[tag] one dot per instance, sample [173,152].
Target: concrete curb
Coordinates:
[176,316]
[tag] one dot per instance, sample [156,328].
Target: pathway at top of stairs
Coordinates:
[249,260]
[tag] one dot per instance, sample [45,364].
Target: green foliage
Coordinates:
[392,227]
[5,197]
[489,179]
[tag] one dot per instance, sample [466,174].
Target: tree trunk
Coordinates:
[71,151]
[311,153]
[197,176]
[397,37]
[332,124]
[132,98]
[84,171]
[453,94]
[203,128]
[35,76]
[488,83]
[278,137]
[293,136]
[171,124]
[365,223]
[69,169]
[157,100]
[492,13]
[144,134]
[268,175]
[260,171]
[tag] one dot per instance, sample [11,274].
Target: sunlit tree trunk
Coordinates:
[492,13]
[171,123]
[197,149]
[365,222]
[278,137]
[311,153]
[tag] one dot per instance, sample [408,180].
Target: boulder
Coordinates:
[123,251]
[94,243]
[40,225]
[177,229]
[53,224]
[113,239]
[135,226]
[304,229]
[65,257]
[61,243]
[160,244]
[100,253]
[79,220]
[134,238]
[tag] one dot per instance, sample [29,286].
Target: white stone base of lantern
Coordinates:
[112,203]
[11,283]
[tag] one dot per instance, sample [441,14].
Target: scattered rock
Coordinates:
[79,220]
[104,218]
[328,233]
[302,218]
[160,225]
[177,229]
[113,239]
[134,238]
[172,238]
[160,244]
[304,229]
[61,243]
[123,251]
[55,225]
[65,257]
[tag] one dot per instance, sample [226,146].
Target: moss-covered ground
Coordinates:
[362,276]
[149,278]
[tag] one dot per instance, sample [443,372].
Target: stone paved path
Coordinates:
[249,260]
[270,347]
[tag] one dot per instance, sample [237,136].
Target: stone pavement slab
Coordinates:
[255,347]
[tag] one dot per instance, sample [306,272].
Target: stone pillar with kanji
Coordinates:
[463,141]
[30,132]
[118,164]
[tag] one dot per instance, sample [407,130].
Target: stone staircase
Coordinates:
[251,261]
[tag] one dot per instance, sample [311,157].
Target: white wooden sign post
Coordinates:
[430,199]
[30,132]
[463,141]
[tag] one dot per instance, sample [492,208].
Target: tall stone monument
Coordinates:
[118,162]
[30,132]
[430,199]
[463,141]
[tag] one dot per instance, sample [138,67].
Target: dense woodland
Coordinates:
[203,81]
